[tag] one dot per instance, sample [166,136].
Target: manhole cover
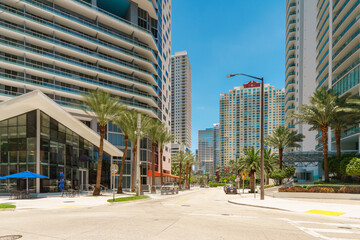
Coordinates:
[10,237]
[185,205]
[69,201]
[345,227]
[225,214]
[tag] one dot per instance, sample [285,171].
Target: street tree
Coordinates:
[103,107]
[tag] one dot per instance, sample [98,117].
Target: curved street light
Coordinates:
[262,178]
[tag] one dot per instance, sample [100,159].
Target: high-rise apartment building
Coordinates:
[67,48]
[300,72]
[181,98]
[208,149]
[240,118]
[338,57]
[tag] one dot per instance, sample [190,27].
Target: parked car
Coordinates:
[228,188]
[170,188]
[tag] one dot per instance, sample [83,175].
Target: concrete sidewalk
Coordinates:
[330,209]
[82,201]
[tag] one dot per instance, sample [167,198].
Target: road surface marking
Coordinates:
[219,215]
[323,212]
[73,206]
[315,232]
[182,201]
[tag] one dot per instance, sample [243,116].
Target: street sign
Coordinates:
[114,168]
[243,174]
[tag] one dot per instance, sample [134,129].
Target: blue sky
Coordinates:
[227,36]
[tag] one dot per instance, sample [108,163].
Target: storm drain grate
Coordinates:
[10,237]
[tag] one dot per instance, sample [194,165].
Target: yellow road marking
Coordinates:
[182,201]
[73,206]
[322,212]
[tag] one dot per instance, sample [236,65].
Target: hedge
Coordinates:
[321,189]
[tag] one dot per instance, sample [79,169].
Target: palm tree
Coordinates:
[283,138]
[180,158]
[319,115]
[189,162]
[251,164]
[133,139]
[165,137]
[270,159]
[124,122]
[154,132]
[343,119]
[235,166]
[103,107]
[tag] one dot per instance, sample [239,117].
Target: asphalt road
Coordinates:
[203,214]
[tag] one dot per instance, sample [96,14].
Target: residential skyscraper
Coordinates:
[181,98]
[240,118]
[67,48]
[300,72]
[208,149]
[338,57]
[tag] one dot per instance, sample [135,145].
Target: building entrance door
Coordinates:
[84,176]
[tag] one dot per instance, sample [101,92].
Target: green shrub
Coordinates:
[353,168]
[289,172]
[269,186]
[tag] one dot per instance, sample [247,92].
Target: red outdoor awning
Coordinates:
[157,174]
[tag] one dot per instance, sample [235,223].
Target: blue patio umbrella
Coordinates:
[25,175]
[2,178]
[62,179]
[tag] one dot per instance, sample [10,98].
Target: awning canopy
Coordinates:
[37,100]
[157,174]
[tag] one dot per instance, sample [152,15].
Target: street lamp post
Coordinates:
[262,178]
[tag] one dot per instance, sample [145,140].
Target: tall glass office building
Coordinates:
[67,48]
[338,57]
[240,118]
[209,149]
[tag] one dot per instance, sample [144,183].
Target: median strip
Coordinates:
[124,199]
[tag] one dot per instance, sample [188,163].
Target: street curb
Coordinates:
[251,205]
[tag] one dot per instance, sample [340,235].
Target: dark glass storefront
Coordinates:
[61,150]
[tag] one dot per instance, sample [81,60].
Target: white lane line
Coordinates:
[329,224]
[330,230]
[219,215]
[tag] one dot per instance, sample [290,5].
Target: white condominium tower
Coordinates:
[181,98]
[240,118]
[300,72]
[66,48]
[338,57]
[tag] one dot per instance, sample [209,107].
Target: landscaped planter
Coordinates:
[320,191]
[347,196]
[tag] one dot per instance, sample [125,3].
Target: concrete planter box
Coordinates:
[348,196]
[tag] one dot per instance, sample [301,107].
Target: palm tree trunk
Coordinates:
[153,190]
[180,165]
[119,188]
[324,131]
[252,181]
[133,169]
[161,167]
[189,178]
[99,167]
[281,157]
[186,176]
[337,138]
